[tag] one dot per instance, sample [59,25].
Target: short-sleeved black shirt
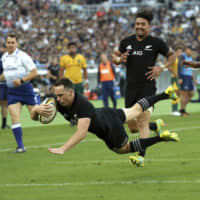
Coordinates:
[142,55]
[106,123]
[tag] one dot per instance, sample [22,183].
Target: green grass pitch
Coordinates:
[91,172]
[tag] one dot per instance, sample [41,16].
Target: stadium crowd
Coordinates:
[46,26]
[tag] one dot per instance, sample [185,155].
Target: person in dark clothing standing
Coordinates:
[186,80]
[139,53]
[53,71]
[106,76]
[3,93]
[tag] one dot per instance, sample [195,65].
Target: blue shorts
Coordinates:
[23,94]
[27,100]
[3,91]
[187,84]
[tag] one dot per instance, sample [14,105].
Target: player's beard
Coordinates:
[141,34]
[140,31]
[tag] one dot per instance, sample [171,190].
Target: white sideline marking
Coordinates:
[86,140]
[103,183]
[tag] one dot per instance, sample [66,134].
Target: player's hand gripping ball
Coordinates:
[52,102]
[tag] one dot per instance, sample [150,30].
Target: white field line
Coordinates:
[118,182]
[88,140]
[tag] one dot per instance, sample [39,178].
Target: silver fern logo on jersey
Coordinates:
[148,48]
[129,47]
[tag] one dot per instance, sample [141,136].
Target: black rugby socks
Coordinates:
[3,122]
[139,145]
[152,126]
[150,101]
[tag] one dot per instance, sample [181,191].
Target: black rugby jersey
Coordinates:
[143,54]
[82,108]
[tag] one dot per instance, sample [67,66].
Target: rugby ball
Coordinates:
[52,102]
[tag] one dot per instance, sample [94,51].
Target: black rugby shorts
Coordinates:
[115,136]
[135,93]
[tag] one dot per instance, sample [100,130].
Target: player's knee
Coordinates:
[15,118]
[132,125]
[133,130]
[119,151]
[122,150]
[191,95]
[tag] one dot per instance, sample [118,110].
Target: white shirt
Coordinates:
[16,65]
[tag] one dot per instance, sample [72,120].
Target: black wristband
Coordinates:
[22,81]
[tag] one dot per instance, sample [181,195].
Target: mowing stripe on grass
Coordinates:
[87,140]
[103,183]
[187,128]
[97,162]
[48,145]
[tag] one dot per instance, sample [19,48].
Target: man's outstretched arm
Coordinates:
[80,134]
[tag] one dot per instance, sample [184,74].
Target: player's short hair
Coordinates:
[66,82]
[12,35]
[71,44]
[145,14]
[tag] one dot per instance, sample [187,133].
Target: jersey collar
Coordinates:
[14,53]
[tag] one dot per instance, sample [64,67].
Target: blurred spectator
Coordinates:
[197,83]
[46,26]
[106,76]
[175,80]
[186,80]
[122,81]
[53,70]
